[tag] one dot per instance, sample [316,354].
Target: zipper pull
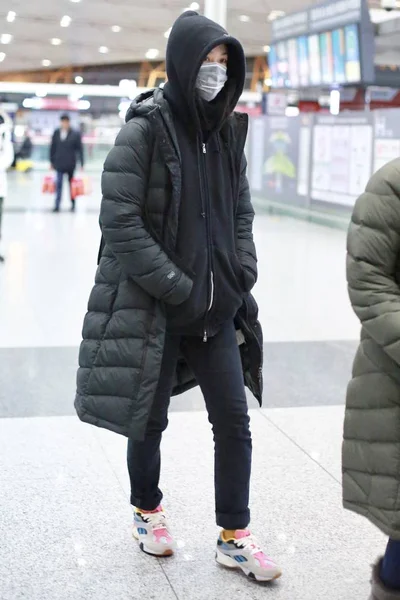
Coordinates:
[204,149]
[205,338]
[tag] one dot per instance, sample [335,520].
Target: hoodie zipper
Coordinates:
[206,215]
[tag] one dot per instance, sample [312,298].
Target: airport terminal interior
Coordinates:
[65,515]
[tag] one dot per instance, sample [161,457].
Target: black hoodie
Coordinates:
[207,228]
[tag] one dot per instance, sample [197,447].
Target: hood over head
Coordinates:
[191,39]
[140,106]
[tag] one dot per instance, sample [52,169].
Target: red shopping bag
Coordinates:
[49,185]
[87,186]
[80,186]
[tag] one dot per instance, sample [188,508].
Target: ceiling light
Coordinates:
[11,16]
[36,103]
[194,6]
[116,28]
[46,62]
[267,49]
[380,15]
[5,38]
[244,18]
[276,14]
[103,50]
[2,56]
[65,21]
[79,79]
[128,88]
[152,53]
[83,104]
[55,41]
[167,33]
[76,1]
[75,96]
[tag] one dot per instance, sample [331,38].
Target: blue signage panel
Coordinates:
[338,45]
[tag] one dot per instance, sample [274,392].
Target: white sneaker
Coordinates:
[244,552]
[152,532]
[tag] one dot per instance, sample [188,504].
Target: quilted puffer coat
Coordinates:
[371,449]
[138,274]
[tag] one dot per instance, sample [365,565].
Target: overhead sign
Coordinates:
[317,18]
[325,46]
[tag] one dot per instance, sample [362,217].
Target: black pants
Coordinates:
[218,370]
[390,570]
[59,187]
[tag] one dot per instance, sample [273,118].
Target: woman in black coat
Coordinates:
[171,307]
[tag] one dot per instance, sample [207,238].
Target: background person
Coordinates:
[6,159]
[25,150]
[371,448]
[66,149]
[177,264]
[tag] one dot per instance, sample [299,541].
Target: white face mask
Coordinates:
[211,79]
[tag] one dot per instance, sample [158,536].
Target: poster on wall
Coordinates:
[303,171]
[341,157]
[255,154]
[280,169]
[387,137]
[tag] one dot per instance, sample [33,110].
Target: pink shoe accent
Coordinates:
[264,561]
[241,533]
[162,536]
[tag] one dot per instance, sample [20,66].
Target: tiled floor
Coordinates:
[64,511]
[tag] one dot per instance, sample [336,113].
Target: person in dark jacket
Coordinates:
[371,447]
[25,150]
[66,149]
[171,307]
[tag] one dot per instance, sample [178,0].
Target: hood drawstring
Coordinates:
[200,145]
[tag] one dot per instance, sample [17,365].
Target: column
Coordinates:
[216,10]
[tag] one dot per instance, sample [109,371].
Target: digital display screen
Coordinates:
[283,64]
[329,58]
[325,43]
[314,59]
[353,65]
[294,71]
[273,66]
[339,56]
[304,67]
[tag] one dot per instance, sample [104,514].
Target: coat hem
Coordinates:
[90,419]
[364,512]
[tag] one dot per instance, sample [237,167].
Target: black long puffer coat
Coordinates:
[124,329]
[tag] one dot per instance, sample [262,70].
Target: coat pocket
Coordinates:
[228,285]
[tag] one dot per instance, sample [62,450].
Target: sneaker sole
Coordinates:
[146,550]
[230,563]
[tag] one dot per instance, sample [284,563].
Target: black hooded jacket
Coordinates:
[140,273]
[207,227]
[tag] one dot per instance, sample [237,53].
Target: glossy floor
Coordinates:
[65,517]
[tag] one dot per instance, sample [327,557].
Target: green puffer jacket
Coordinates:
[371,448]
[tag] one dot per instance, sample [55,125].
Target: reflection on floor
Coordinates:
[65,517]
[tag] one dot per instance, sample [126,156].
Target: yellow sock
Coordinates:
[228,534]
